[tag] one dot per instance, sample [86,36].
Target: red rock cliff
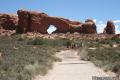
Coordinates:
[35,21]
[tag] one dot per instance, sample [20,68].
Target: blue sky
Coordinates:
[99,10]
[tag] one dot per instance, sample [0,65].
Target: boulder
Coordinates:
[110,28]
[89,27]
[8,21]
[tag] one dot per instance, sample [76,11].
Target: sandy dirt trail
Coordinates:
[72,68]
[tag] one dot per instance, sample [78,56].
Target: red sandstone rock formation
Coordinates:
[110,28]
[89,27]
[39,22]
[8,21]
[35,21]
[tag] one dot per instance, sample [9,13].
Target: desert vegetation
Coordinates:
[102,53]
[21,58]
[107,58]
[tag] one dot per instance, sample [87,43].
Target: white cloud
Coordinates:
[100,22]
[100,27]
[117,26]
[117,29]
[95,20]
[116,21]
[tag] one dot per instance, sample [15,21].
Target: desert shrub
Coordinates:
[117,40]
[50,42]
[108,58]
[21,61]
[110,41]
[82,52]
[105,57]
[86,43]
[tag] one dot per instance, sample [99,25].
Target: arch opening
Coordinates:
[51,29]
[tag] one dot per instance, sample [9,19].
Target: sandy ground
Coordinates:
[72,68]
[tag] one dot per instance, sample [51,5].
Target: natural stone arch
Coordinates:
[40,22]
[61,25]
[51,29]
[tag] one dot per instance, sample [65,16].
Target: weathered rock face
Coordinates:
[89,27]
[74,26]
[39,22]
[35,21]
[23,20]
[8,21]
[110,28]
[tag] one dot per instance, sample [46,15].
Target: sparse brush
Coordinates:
[107,58]
[83,54]
[21,61]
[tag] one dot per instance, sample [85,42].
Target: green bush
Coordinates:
[50,42]
[21,61]
[110,41]
[117,40]
[83,54]
[108,58]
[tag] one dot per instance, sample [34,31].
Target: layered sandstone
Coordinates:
[8,21]
[110,28]
[89,27]
[39,22]
[32,21]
